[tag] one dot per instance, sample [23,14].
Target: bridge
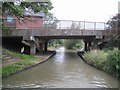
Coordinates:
[90,32]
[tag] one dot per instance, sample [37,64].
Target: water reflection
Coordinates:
[64,70]
[59,57]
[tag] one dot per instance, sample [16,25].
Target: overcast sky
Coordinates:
[85,10]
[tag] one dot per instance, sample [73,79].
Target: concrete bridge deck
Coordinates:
[59,29]
[62,28]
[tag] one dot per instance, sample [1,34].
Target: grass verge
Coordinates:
[108,61]
[26,61]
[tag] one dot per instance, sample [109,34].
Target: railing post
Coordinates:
[73,27]
[94,25]
[104,25]
[79,25]
[84,25]
[59,24]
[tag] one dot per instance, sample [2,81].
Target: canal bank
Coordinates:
[21,62]
[100,60]
[64,70]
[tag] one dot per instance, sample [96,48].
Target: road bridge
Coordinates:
[90,32]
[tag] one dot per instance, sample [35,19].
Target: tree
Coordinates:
[113,25]
[18,10]
[55,43]
[74,26]
[112,33]
[50,21]
[73,44]
[0,8]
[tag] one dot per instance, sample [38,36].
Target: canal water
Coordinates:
[64,70]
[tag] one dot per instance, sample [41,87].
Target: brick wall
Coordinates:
[28,22]
[32,22]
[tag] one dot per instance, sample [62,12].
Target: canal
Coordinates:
[64,70]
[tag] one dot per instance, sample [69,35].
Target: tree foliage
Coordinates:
[74,26]
[112,32]
[55,43]
[73,44]
[0,8]
[114,25]
[18,10]
[50,21]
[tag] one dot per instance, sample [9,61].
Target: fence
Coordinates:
[67,24]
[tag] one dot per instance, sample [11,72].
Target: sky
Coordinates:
[85,10]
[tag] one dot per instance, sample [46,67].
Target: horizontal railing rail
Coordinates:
[69,24]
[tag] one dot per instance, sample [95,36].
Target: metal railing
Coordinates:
[68,24]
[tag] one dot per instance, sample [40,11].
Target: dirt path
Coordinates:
[7,60]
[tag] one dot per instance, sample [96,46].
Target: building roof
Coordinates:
[32,13]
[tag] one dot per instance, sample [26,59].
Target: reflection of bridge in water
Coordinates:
[90,32]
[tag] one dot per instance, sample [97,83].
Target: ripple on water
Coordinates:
[100,84]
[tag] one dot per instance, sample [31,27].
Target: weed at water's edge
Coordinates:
[108,61]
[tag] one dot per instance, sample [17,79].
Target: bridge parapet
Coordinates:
[61,28]
[69,24]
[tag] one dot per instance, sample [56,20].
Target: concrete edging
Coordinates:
[40,62]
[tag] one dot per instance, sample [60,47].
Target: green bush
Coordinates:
[114,61]
[97,58]
[106,60]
